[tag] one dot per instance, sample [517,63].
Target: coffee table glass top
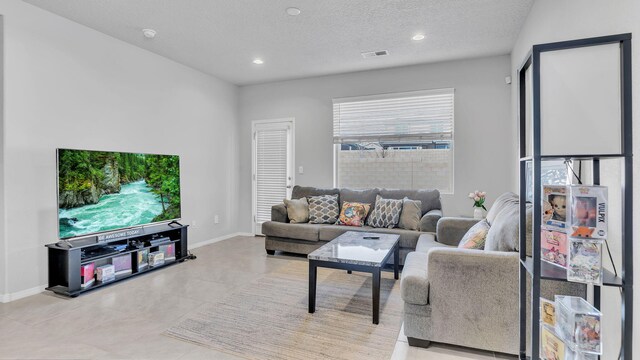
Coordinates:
[354,247]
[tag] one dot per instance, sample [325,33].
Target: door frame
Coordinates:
[254,190]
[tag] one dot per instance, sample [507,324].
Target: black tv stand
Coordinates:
[66,257]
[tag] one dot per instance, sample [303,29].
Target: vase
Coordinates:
[478,213]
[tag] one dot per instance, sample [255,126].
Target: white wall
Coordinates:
[483,126]
[550,21]
[72,87]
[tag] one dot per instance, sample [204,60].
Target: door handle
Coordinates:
[288,186]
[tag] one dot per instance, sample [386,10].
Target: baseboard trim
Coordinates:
[220,238]
[22,294]
[5,298]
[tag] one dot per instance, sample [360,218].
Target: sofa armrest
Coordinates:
[450,230]
[279,213]
[414,284]
[429,220]
[474,295]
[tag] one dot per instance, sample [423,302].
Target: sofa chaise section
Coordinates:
[470,297]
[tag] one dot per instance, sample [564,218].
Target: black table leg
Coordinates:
[376,295]
[396,262]
[313,274]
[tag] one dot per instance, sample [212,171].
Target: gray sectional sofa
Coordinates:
[470,297]
[280,235]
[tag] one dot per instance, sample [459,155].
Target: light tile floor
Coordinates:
[126,320]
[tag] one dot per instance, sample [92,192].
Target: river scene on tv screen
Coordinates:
[100,191]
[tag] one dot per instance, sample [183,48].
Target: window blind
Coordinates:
[418,115]
[271,171]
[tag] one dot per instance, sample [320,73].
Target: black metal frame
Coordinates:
[533,266]
[374,270]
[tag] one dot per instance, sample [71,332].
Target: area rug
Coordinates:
[269,319]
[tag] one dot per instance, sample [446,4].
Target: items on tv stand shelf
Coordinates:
[68,265]
[544,263]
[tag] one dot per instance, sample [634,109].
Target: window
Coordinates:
[401,141]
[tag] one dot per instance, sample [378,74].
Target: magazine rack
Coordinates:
[534,267]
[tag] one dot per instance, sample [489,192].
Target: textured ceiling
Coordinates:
[221,37]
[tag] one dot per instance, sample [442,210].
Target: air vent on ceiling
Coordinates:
[370,54]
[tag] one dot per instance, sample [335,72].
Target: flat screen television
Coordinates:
[101,191]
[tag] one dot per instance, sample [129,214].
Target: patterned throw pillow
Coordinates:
[323,209]
[475,237]
[386,213]
[353,214]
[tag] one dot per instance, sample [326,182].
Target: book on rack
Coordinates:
[578,323]
[588,211]
[143,259]
[169,251]
[122,264]
[548,312]
[554,207]
[156,258]
[584,264]
[551,345]
[105,273]
[87,275]
[553,247]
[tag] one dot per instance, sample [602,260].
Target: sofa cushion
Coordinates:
[414,285]
[429,198]
[353,213]
[408,238]
[504,233]
[299,192]
[307,232]
[476,236]
[386,213]
[330,232]
[411,214]
[428,241]
[297,210]
[323,209]
[503,201]
[367,196]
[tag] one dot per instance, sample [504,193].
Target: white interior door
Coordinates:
[272,167]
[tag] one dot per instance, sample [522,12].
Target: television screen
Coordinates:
[100,191]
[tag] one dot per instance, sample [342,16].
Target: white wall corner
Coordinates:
[217,239]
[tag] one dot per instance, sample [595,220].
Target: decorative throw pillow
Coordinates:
[353,214]
[386,213]
[476,236]
[411,214]
[297,210]
[323,209]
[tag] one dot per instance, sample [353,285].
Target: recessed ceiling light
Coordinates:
[258,61]
[293,11]
[149,33]
[418,37]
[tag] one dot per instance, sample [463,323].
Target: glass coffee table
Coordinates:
[356,251]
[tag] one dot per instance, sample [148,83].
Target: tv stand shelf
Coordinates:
[66,258]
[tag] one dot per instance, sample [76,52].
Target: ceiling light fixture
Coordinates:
[293,11]
[258,61]
[149,33]
[418,37]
